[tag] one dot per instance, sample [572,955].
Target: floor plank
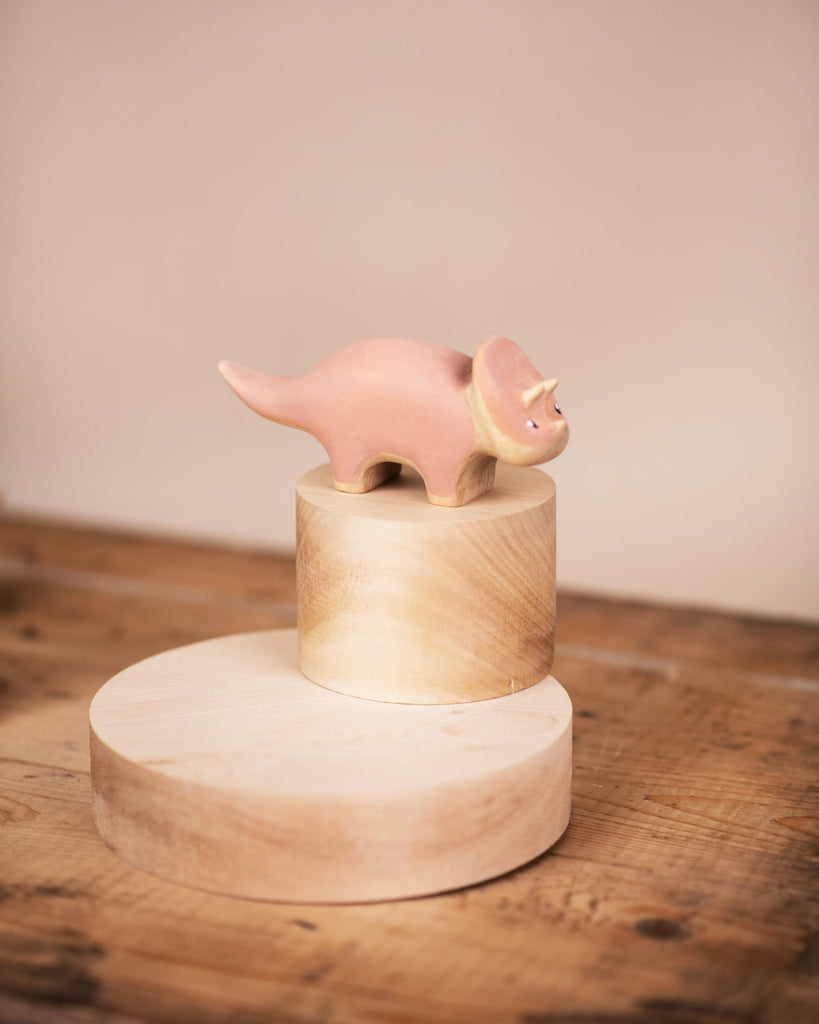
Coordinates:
[684,891]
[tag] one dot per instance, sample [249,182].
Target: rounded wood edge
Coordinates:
[516,489]
[409,834]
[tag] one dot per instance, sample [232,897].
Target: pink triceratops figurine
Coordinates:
[381,403]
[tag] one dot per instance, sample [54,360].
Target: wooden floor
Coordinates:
[684,892]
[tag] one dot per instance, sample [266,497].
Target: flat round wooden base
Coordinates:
[220,766]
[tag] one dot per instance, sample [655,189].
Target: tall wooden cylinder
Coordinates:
[403,601]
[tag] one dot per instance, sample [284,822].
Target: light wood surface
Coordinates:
[684,890]
[400,600]
[219,765]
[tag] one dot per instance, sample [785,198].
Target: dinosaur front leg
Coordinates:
[460,485]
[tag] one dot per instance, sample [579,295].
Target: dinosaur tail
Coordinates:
[270,396]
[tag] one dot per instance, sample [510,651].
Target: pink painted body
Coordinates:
[377,404]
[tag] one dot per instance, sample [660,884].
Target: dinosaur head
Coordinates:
[513,407]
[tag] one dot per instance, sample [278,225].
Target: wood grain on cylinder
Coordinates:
[400,600]
[219,766]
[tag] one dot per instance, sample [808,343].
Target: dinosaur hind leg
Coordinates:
[358,475]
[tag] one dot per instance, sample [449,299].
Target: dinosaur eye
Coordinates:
[557,409]
[531,423]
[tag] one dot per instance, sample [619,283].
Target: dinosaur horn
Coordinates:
[533,393]
[543,387]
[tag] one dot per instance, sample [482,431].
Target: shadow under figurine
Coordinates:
[377,404]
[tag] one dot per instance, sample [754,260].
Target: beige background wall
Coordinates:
[628,189]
